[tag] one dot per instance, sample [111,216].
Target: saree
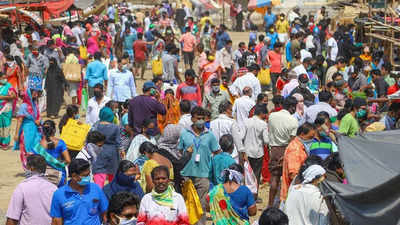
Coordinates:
[210,71]
[173,112]
[29,134]
[6,111]
[221,210]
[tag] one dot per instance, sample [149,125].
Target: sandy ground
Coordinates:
[11,172]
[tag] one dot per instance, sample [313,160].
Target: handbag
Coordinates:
[72,72]
[157,67]
[249,178]
[192,202]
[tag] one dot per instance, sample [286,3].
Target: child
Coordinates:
[222,159]
[126,131]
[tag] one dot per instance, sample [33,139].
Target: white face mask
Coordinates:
[11,64]
[124,221]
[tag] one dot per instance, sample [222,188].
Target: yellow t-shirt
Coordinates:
[148,166]
[282,27]
[203,21]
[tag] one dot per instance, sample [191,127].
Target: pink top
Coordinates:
[276,62]
[92,45]
[68,31]
[189,42]
[31,201]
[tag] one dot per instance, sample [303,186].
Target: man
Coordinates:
[189,90]
[295,155]
[129,37]
[340,63]
[145,106]
[225,124]
[204,19]
[238,53]
[80,201]
[96,73]
[248,80]
[53,52]
[250,56]
[225,57]
[222,37]
[381,86]
[37,66]
[273,216]
[255,138]
[332,50]
[325,98]
[213,99]
[322,144]
[282,27]
[121,83]
[188,41]
[170,65]
[95,104]
[188,12]
[282,127]
[357,81]
[140,49]
[31,200]
[321,15]
[292,84]
[303,90]
[274,59]
[242,106]
[294,14]
[269,18]
[392,117]
[186,117]
[163,205]
[302,68]
[123,208]
[385,71]
[203,144]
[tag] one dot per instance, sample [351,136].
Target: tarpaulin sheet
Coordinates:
[371,164]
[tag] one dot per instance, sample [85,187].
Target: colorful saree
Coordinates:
[221,210]
[6,110]
[29,134]
[173,112]
[209,71]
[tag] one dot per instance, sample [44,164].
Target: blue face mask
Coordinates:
[207,124]
[84,181]
[77,116]
[361,113]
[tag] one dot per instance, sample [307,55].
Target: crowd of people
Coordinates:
[208,123]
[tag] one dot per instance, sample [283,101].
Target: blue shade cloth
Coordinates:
[79,209]
[96,73]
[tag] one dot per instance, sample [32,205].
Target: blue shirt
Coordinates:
[121,86]
[218,163]
[288,51]
[129,39]
[222,39]
[241,200]
[203,147]
[60,148]
[111,12]
[269,19]
[274,38]
[77,209]
[148,35]
[96,73]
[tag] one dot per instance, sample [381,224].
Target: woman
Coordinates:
[28,118]
[52,148]
[125,180]
[212,69]
[8,96]
[54,85]
[305,203]
[92,43]
[231,203]
[173,111]
[72,112]
[108,160]
[94,143]
[133,151]
[154,159]
[300,108]
[14,74]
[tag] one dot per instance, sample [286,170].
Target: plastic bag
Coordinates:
[157,66]
[264,77]
[249,178]
[192,202]
[74,134]
[83,52]
[85,99]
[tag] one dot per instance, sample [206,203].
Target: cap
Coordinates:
[148,84]
[303,78]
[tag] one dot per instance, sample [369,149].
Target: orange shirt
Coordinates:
[293,159]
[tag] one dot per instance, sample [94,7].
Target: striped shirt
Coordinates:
[322,148]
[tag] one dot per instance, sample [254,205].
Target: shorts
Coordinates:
[188,57]
[73,89]
[276,154]
[140,64]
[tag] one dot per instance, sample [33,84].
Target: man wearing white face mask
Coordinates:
[121,85]
[123,209]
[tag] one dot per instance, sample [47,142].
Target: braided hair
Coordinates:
[49,129]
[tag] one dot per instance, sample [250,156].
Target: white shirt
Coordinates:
[304,54]
[93,110]
[147,23]
[300,70]
[24,41]
[186,120]
[225,58]
[35,36]
[334,48]
[311,113]
[256,136]
[289,87]
[77,31]
[247,80]
[305,205]
[281,126]
[241,109]
[187,12]
[309,42]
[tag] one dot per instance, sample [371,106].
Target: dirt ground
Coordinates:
[11,172]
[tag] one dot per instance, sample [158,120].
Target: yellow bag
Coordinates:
[74,134]
[192,202]
[264,76]
[83,52]
[157,67]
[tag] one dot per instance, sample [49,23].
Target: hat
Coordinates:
[303,78]
[148,85]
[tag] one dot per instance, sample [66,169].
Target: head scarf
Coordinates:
[106,114]
[31,105]
[233,175]
[312,172]
[60,43]
[300,105]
